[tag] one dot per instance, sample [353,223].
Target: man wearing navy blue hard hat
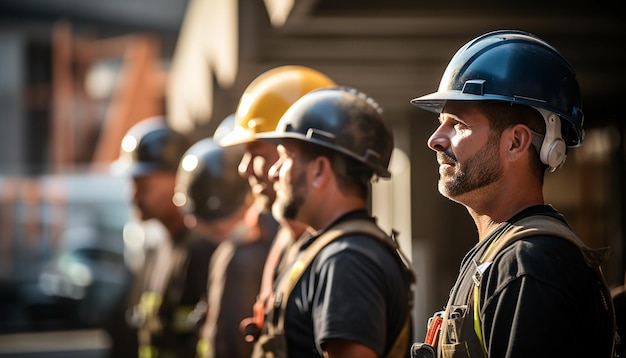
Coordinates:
[509,107]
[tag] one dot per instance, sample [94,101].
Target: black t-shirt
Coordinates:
[239,265]
[538,299]
[355,289]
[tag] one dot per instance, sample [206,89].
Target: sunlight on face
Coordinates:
[290,183]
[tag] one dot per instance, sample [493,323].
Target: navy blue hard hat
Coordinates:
[151,146]
[516,67]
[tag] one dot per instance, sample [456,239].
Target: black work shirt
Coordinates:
[355,289]
[236,269]
[538,298]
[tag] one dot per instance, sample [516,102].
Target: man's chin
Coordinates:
[445,190]
[282,213]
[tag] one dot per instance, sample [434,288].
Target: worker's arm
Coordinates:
[341,348]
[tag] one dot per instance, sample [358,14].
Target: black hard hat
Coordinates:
[517,67]
[151,146]
[342,119]
[208,184]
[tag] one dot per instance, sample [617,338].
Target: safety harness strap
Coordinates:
[365,227]
[541,225]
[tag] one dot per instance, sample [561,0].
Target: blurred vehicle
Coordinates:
[88,275]
[61,250]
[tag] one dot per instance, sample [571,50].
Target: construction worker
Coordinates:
[175,274]
[219,205]
[509,106]
[262,104]
[345,290]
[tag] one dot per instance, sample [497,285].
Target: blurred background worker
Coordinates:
[175,274]
[219,205]
[260,107]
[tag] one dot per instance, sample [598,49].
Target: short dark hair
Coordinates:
[351,174]
[503,115]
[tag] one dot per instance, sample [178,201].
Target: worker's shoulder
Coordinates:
[545,258]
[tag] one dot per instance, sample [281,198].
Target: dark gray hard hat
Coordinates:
[150,146]
[208,184]
[342,119]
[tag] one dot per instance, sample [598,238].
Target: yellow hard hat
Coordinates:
[268,96]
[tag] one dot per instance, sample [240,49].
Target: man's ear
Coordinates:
[519,139]
[320,170]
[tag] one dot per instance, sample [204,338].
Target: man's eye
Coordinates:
[460,125]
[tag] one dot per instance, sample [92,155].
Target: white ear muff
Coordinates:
[553,148]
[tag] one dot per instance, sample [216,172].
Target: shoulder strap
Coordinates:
[543,225]
[351,227]
[305,259]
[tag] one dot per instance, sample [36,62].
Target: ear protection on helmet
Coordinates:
[553,149]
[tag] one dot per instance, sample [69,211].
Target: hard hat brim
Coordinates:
[434,102]
[278,137]
[238,135]
[122,168]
